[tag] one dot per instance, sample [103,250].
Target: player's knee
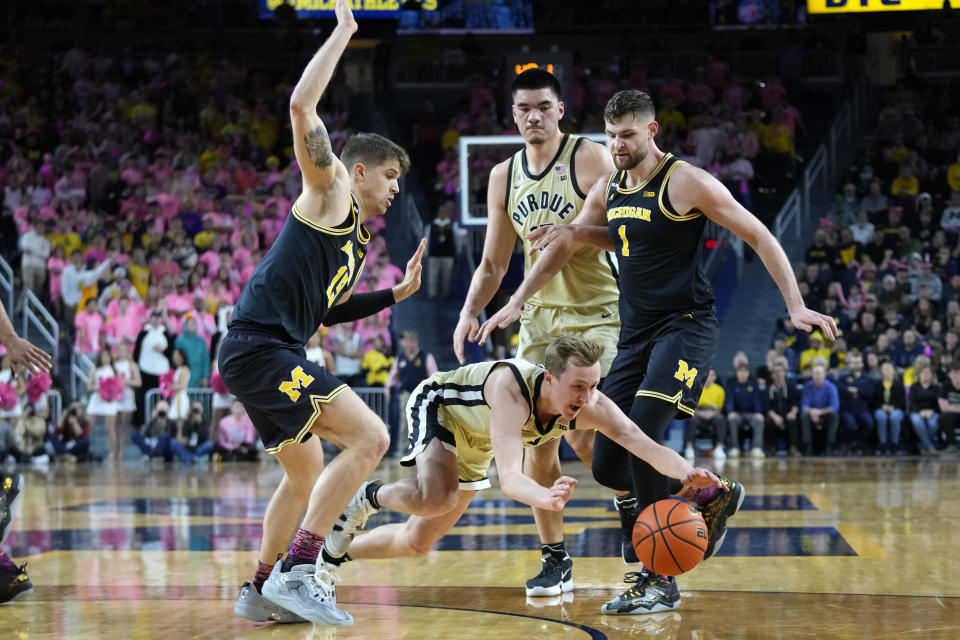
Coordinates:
[374,441]
[418,546]
[612,478]
[435,502]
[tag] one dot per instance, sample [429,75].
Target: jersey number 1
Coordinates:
[623,236]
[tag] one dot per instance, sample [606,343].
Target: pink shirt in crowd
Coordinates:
[234,432]
[54,266]
[126,327]
[91,324]
[211,259]
[179,303]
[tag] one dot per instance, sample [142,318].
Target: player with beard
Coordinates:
[652,212]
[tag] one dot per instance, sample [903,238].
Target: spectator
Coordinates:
[856,392]
[890,402]
[377,362]
[193,435]
[441,251]
[124,321]
[196,352]
[924,410]
[152,344]
[950,408]
[31,436]
[815,349]
[56,263]
[907,350]
[104,407]
[745,408]
[783,409]
[926,278]
[236,438]
[89,329]
[34,251]
[71,438]
[347,353]
[708,418]
[159,437]
[75,282]
[411,367]
[819,406]
[318,355]
[873,205]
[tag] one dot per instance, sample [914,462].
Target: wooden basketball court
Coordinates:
[823,548]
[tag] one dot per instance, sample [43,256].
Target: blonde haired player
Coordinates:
[542,184]
[460,420]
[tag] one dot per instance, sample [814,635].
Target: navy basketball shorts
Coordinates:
[282,391]
[668,361]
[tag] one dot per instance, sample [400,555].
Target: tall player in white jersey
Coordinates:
[545,183]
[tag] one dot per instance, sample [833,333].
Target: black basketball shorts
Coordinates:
[281,390]
[668,361]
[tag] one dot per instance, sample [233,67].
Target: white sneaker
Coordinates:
[757,453]
[253,606]
[307,591]
[734,452]
[689,453]
[719,453]
[350,521]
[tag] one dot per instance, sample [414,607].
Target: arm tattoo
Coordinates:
[318,147]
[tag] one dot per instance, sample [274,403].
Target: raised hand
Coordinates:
[345,17]
[411,278]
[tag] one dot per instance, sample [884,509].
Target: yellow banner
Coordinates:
[863,6]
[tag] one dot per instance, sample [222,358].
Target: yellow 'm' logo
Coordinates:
[685,374]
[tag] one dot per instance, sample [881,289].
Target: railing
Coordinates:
[80,368]
[931,62]
[823,166]
[374,397]
[6,286]
[37,317]
[55,405]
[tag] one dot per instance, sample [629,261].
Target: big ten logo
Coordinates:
[837,4]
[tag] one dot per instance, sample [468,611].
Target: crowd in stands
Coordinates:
[136,204]
[883,263]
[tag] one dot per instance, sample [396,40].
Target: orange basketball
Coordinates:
[670,537]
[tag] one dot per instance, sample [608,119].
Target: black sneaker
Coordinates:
[651,593]
[14,583]
[10,486]
[627,508]
[555,577]
[715,513]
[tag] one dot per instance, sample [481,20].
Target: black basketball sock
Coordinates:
[372,490]
[334,562]
[556,550]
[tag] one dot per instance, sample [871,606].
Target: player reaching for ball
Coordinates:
[461,420]
[652,212]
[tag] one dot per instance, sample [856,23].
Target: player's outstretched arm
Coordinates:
[557,243]
[692,188]
[22,353]
[497,247]
[318,164]
[604,416]
[508,413]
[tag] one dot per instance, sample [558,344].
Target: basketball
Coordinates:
[670,537]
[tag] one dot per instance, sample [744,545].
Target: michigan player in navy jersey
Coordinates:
[306,278]
[651,213]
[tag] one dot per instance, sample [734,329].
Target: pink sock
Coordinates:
[263,572]
[5,560]
[303,550]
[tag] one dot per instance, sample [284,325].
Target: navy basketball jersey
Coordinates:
[302,276]
[658,249]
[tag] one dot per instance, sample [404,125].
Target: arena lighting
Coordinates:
[864,6]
